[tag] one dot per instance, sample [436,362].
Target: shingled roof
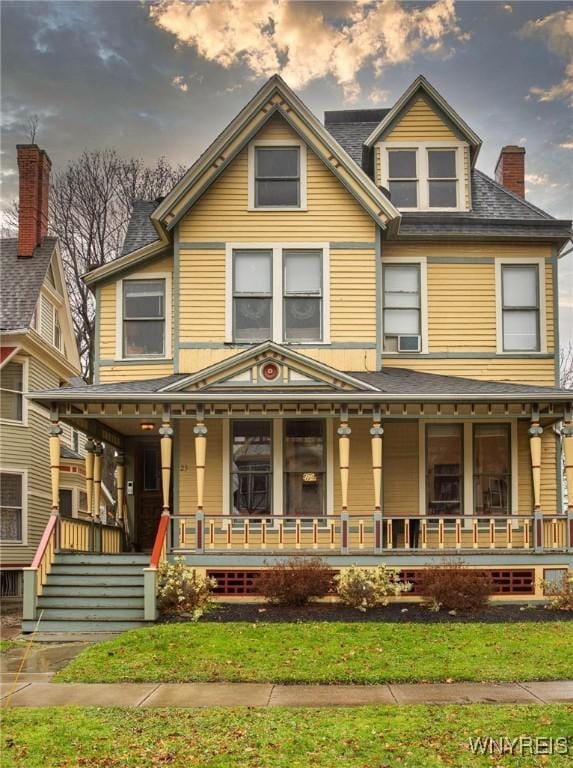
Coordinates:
[21,281]
[140,230]
[391,382]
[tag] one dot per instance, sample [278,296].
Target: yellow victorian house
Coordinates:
[334,339]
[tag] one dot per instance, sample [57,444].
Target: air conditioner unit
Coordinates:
[409,343]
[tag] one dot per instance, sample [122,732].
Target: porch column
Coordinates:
[344,433]
[89,461]
[166,432]
[200,432]
[567,436]
[377,432]
[535,432]
[120,484]
[55,431]
[98,459]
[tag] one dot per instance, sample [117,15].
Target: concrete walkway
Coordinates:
[36,690]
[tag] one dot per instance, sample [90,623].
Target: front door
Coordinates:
[148,496]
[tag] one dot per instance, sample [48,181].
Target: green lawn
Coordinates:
[6,645]
[362,737]
[330,653]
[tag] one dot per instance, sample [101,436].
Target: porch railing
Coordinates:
[369,534]
[66,534]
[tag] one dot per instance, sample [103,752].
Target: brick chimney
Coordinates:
[510,169]
[34,170]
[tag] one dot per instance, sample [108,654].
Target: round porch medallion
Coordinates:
[270,371]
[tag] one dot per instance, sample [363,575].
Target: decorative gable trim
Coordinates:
[421,84]
[274,97]
[246,369]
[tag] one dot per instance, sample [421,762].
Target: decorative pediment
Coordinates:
[268,366]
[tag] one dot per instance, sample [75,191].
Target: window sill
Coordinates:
[14,422]
[120,360]
[281,209]
[13,543]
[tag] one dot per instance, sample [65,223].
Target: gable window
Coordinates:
[403,178]
[277,293]
[442,178]
[492,469]
[444,469]
[252,295]
[520,303]
[251,468]
[11,391]
[302,299]
[277,177]
[144,318]
[11,506]
[402,307]
[57,330]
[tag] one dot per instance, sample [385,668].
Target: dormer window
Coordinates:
[423,177]
[403,177]
[442,178]
[277,175]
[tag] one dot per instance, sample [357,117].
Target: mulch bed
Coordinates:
[395,613]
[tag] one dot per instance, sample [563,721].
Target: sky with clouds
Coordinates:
[164,78]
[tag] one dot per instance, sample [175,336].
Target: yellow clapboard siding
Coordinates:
[400,469]
[420,123]
[222,215]
[467,249]
[525,371]
[360,482]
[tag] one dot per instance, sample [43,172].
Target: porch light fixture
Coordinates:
[147,426]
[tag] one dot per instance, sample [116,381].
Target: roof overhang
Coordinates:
[422,85]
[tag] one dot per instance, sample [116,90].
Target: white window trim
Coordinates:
[468,460]
[277,450]
[24,361]
[119,356]
[421,148]
[277,289]
[24,474]
[251,174]
[405,261]
[539,261]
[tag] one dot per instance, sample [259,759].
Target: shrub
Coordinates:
[295,580]
[364,588]
[560,594]
[180,589]
[455,587]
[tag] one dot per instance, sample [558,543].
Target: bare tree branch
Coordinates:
[566,366]
[32,125]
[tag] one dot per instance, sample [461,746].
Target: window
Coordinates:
[144,318]
[83,503]
[302,301]
[442,178]
[57,330]
[403,178]
[75,441]
[11,506]
[520,307]
[304,468]
[252,295]
[491,470]
[277,177]
[66,502]
[11,389]
[402,308]
[151,468]
[444,469]
[277,293]
[251,468]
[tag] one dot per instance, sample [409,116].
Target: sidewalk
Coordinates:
[36,690]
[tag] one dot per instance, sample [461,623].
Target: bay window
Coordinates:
[144,318]
[520,302]
[11,391]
